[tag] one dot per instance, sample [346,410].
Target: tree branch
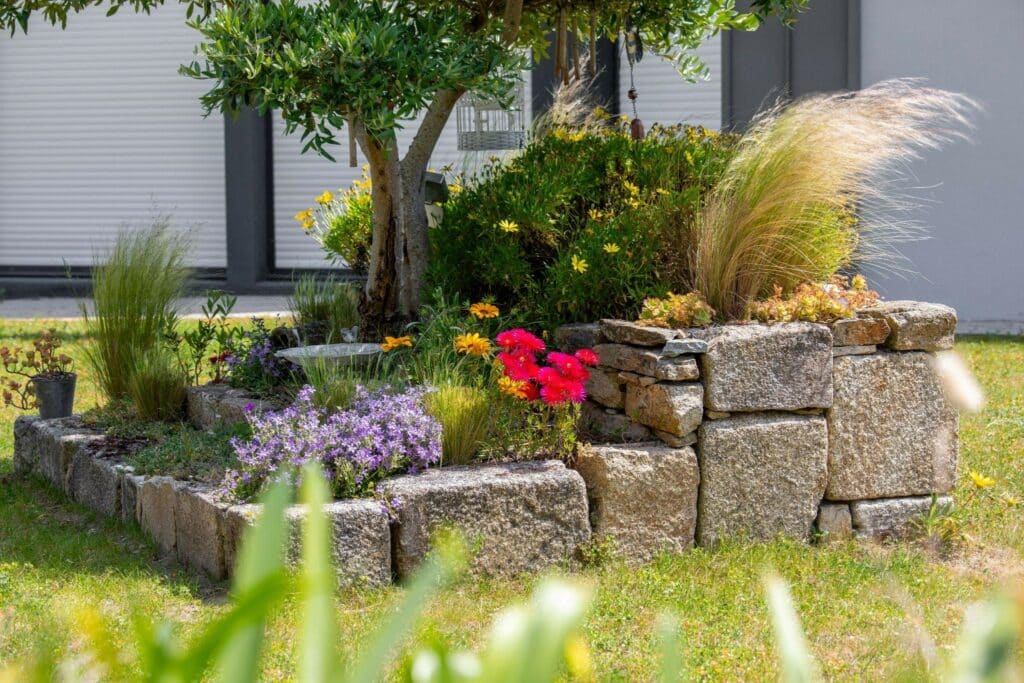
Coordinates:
[423,143]
[512,20]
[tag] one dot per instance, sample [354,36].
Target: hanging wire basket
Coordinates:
[483,124]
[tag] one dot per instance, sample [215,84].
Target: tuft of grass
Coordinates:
[135,291]
[336,383]
[814,186]
[158,386]
[322,307]
[187,453]
[465,417]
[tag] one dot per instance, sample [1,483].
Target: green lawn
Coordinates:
[861,604]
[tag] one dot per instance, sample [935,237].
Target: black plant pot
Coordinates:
[56,395]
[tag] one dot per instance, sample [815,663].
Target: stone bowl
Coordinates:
[355,354]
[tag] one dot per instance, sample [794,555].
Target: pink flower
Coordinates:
[587,357]
[568,366]
[520,339]
[519,365]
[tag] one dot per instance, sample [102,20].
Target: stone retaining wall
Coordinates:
[696,435]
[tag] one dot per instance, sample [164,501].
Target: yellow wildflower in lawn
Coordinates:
[484,310]
[980,480]
[611,248]
[473,344]
[508,226]
[635,203]
[325,198]
[662,191]
[596,214]
[392,343]
[630,187]
[1010,499]
[579,265]
[513,388]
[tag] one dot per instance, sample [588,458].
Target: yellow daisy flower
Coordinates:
[308,224]
[1010,499]
[630,187]
[513,388]
[392,343]
[484,310]
[473,344]
[980,480]
[579,265]
[303,216]
[325,198]
[508,226]
[611,248]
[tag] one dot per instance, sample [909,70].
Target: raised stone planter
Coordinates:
[214,405]
[522,516]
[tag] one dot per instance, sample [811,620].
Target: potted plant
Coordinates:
[48,377]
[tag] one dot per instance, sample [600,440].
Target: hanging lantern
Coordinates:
[483,124]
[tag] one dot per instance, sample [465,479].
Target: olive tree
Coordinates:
[376,65]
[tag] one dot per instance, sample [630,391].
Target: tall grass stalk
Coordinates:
[336,383]
[783,212]
[157,386]
[465,417]
[321,307]
[134,293]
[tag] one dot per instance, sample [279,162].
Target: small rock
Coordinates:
[644,496]
[859,332]
[673,408]
[608,426]
[679,347]
[891,518]
[605,387]
[761,475]
[767,367]
[572,338]
[646,362]
[526,516]
[853,350]
[646,381]
[834,521]
[625,332]
[629,378]
[716,414]
[676,441]
[915,325]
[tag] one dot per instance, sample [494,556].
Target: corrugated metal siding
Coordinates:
[298,178]
[98,131]
[664,97]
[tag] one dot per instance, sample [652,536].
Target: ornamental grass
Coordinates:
[465,417]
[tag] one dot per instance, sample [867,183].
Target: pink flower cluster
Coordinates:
[561,381]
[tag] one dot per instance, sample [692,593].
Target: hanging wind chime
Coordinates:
[634,53]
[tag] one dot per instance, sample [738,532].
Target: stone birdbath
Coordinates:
[354,354]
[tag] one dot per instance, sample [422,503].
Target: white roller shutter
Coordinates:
[98,131]
[299,178]
[663,95]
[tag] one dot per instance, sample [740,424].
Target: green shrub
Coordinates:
[572,228]
[322,307]
[157,386]
[465,417]
[343,224]
[134,292]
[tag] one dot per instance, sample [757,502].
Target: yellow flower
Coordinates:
[630,187]
[596,214]
[392,343]
[455,187]
[473,344]
[508,226]
[635,203]
[484,310]
[303,216]
[662,191]
[579,265]
[325,198]
[577,659]
[308,224]
[611,248]
[859,283]
[980,480]
[509,386]
[1011,500]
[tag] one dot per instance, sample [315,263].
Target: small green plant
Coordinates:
[208,343]
[323,307]
[676,311]
[336,384]
[43,360]
[824,303]
[157,386]
[343,224]
[465,417]
[183,452]
[134,293]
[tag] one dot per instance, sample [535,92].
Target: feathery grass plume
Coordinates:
[465,417]
[814,186]
[571,108]
[134,293]
[157,386]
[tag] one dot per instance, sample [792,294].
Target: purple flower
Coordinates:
[249,407]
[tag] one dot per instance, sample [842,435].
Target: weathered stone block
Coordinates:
[673,408]
[572,338]
[625,332]
[853,350]
[526,516]
[94,482]
[198,530]
[644,496]
[605,387]
[834,522]
[676,441]
[157,504]
[647,362]
[212,405]
[609,426]
[130,485]
[865,331]
[360,538]
[767,367]
[915,325]
[46,447]
[892,433]
[893,517]
[679,347]
[761,475]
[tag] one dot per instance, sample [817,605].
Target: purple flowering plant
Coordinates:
[381,433]
[252,364]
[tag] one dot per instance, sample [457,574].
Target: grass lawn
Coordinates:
[862,605]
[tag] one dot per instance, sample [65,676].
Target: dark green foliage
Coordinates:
[188,453]
[589,222]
